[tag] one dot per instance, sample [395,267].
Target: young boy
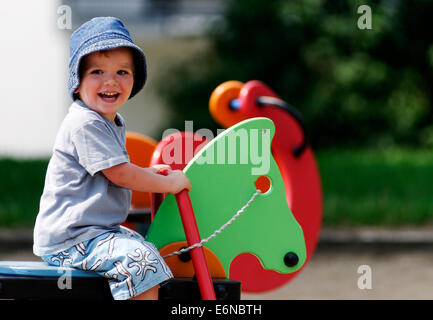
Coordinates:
[87,187]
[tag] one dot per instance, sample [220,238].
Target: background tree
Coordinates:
[358,87]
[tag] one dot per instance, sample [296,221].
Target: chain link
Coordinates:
[216,232]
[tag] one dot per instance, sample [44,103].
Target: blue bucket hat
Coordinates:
[103,33]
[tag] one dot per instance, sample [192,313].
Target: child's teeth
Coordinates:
[109,96]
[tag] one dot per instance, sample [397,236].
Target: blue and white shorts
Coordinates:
[130,264]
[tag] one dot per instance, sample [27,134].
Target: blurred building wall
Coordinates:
[35,54]
[33,89]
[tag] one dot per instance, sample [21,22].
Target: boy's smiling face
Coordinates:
[107,80]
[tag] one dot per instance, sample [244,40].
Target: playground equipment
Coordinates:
[250,237]
[234,101]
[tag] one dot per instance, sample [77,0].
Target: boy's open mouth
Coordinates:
[108,96]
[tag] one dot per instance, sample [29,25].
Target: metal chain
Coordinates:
[216,232]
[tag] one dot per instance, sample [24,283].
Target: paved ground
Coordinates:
[402,274]
[333,274]
[401,268]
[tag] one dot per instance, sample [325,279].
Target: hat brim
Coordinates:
[140,67]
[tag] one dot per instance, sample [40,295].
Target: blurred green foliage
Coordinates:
[376,187]
[371,87]
[361,187]
[21,185]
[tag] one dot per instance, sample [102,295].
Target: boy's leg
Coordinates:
[151,294]
[133,267]
[138,267]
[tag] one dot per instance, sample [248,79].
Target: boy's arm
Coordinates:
[133,177]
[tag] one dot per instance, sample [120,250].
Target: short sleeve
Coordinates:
[97,147]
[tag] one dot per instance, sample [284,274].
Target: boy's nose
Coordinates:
[110,79]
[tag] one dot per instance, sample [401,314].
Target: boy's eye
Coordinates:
[122,72]
[96,71]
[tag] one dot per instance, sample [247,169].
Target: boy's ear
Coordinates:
[76,94]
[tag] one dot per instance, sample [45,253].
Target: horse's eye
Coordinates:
[291,259]
[184,256]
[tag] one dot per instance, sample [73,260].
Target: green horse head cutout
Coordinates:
[223,176]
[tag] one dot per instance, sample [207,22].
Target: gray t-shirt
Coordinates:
[78,202]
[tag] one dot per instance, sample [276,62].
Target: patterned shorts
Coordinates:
[130,264]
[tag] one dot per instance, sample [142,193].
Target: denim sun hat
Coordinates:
[103,33]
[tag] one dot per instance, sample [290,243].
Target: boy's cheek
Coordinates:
[128,82]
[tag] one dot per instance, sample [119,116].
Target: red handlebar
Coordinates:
[193,236]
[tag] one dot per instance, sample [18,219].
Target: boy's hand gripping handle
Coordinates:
[193,236]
